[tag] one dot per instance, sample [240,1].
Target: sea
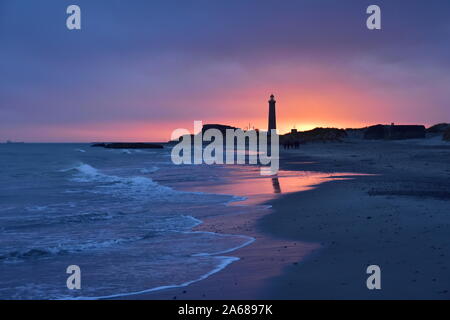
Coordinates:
[126,218]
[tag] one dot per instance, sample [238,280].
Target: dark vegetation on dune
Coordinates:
[439,128]
[446,135]
[376,132]
[314,135]
[394,132]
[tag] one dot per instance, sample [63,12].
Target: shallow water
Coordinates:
[124,216]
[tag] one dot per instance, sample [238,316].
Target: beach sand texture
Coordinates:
[317,243]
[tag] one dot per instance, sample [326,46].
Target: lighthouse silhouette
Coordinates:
[272,116]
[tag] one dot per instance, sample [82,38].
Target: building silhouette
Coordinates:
[272,116]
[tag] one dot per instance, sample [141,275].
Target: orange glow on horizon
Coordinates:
[308,95]
[322,101]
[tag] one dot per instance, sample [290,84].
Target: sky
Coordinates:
[137,70]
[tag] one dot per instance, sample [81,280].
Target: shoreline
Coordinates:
[247,284]
[236,280]
[328,262]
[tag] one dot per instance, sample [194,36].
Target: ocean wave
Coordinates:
[7,208]
[33,253]
[139,187]
[37,208]
[149,170]
[88,173]
[225,261]
[40,221]
[248,241]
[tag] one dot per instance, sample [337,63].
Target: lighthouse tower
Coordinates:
[272,116]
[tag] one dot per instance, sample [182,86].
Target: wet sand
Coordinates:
[317,244]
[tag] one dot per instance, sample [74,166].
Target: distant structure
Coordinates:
[221,127]
[394,132]
[272,115]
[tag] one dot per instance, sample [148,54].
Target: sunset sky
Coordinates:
[140,69]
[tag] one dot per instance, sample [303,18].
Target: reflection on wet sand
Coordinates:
[276,185]
[245,181]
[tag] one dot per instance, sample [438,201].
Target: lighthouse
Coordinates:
[272,116]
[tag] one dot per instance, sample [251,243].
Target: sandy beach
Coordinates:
[317,244]
[397,219]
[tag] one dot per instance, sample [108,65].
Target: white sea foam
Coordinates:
[129,214]
[7,208]
[36,208]
[225,262]
[145,189]
[66,248]
[86,170]
[139,187]
[149,170]
[249,240]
